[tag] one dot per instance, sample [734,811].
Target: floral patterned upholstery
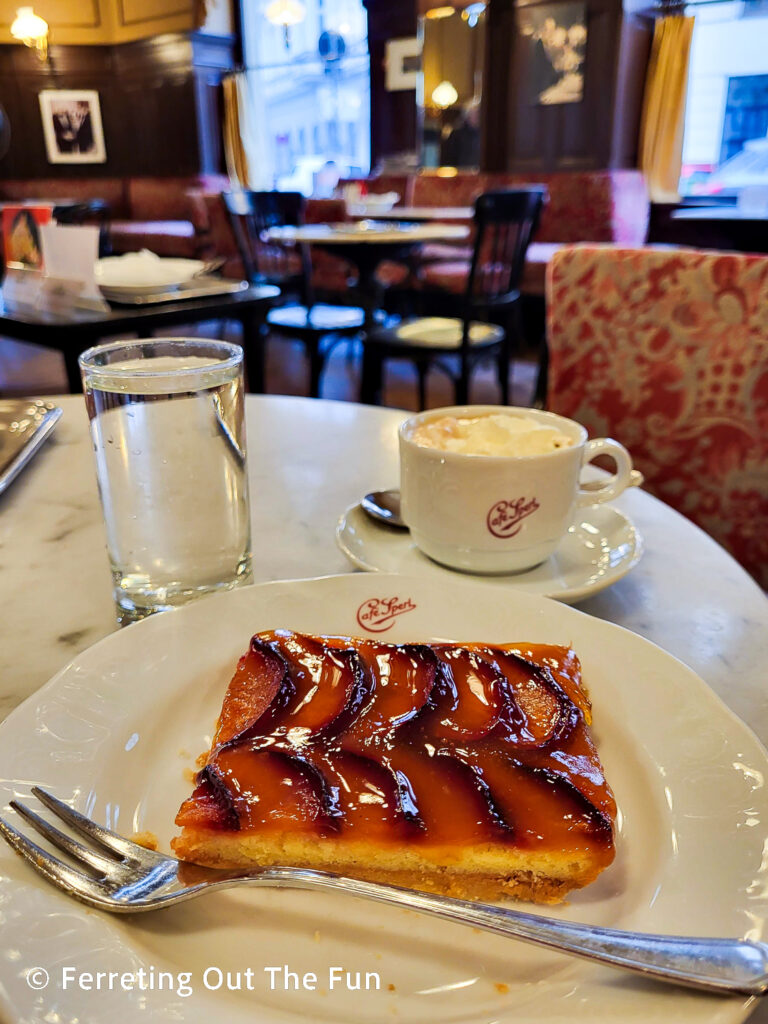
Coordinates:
[583,206]
[587,206]
[451,274]
[434,189]
[667,351]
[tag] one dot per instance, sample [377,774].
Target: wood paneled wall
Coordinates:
[95,22]
[159,97]
[599,132]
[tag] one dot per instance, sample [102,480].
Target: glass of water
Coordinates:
[168,428]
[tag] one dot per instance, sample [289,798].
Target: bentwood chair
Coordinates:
[667,351]
[504,224]
[318,326]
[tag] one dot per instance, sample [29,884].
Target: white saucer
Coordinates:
[600,547]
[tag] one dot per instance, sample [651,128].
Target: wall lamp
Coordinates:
[31,30]
[286,13]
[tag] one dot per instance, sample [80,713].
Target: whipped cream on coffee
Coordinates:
[495,434]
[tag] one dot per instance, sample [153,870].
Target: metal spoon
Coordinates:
[384,506]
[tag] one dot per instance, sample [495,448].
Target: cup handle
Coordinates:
[596,491]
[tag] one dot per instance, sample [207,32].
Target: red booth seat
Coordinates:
[164,215]
[583,206]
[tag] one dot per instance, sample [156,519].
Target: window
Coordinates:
[725,148]
[312,89]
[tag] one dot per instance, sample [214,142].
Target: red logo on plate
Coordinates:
[378,614]
[505,518]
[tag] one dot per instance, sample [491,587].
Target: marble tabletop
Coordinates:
[308,460]
[368,232]
[423,213]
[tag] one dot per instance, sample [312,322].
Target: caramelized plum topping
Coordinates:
[210,806]
[366,795]
[538,711]
[270,790]
[257,681]
[418,743]
[542,807]
[325,683]
[402,680]
[467,697]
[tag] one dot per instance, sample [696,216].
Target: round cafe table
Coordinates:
[309,459]
[417,214]
[366,243]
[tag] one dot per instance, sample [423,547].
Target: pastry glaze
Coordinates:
[420,745]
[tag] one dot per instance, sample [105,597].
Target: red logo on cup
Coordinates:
[378,614]
[506,517]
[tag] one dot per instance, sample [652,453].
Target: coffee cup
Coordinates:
[473,506]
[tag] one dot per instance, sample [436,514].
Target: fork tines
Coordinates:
[105,862]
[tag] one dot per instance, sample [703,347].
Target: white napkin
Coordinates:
[69,261]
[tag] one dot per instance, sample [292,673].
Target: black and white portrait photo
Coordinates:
[72,126]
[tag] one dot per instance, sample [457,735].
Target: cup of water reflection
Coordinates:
[167,420]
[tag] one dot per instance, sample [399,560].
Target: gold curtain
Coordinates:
[661,128]
[235,93]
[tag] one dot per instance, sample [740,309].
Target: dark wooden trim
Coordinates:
[496,85]
[238,23]
[393,114]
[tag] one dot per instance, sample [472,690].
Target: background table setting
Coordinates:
[367,243]
[309,463]
[142,293]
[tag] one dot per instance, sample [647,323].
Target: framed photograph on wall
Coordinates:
[403,64]
[72,126]
[557,35]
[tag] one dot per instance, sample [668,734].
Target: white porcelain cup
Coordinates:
[500,513]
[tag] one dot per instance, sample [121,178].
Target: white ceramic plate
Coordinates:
[143,273]
[598,549]
[116,729]
[372,205]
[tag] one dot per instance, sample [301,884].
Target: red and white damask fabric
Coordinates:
[667,351]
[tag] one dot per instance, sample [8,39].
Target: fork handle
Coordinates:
[719,965]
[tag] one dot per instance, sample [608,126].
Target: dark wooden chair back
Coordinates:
[252,215]
[505,222]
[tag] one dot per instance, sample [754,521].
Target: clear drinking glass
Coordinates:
[168,427]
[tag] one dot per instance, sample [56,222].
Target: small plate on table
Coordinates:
[143,273]
[600,547]
[202,287]
[117,731]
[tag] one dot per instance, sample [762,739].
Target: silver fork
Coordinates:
[117,875]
